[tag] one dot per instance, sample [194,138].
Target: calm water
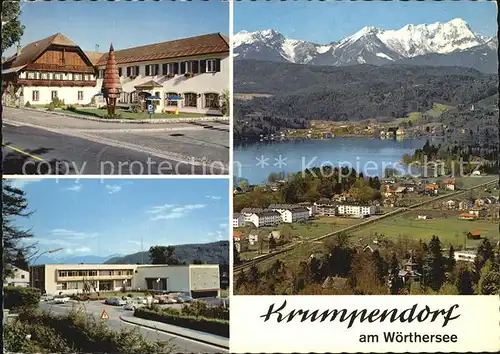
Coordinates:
[371,156]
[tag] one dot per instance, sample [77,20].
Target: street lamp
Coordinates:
[41,254]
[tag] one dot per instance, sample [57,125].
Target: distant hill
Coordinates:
[208,253]
[88,259]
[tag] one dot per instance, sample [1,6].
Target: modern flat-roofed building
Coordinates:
[199,280]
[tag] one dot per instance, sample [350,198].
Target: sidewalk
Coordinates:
[198,336]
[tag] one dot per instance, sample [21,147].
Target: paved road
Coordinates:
[182,345]
[44,143]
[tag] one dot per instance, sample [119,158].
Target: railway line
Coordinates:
[261,258]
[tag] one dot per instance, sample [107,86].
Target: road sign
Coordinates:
[104,315]
[151,108]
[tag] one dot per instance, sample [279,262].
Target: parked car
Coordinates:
[61,299]
[47,298]
[115,301]
[185,299]
[131,306]
[140,300]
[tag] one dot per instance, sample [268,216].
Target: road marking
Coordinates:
[23,152]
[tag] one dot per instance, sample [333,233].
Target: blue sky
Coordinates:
[109,216]
[126,24]
[325,22]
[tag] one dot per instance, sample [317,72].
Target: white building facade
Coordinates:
[189,75]
[266,218]
[69,279]
[19,277]
[359,211]
[238,220]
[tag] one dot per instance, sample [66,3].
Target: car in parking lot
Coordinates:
[166,300]
[47,298]
[131,306]
[61,299]
[181,299]
[115,301]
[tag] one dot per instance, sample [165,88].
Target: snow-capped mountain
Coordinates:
[370,45]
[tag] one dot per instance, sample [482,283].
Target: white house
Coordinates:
[266,218]
[294,215]
[359,211]
[253,239]
[238,220]
[189,75]
[248,212]
[326,209]
[466,256]
[20,277]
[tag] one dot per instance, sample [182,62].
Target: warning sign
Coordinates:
[104,315]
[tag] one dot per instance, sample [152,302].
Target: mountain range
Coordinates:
[451,43]
[209,253]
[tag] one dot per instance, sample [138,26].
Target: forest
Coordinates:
[343,269]
[301,93]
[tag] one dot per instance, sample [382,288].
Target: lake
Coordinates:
[256,161]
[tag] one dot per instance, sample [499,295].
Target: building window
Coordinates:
[58,76]
[80,95]
[212,100]
[44,76]
[93,273]
[22,276]
[211,66]
[132,71]
[53,94]
[152,70]
[35,96]
[100,74]
[170,102]
[169,69]
[119,72]
[78,77]
[190,100]
[187,67]
[31,75]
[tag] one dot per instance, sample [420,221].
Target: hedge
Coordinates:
[204,324]
[21,298]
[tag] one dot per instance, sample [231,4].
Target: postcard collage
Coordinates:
[227,176]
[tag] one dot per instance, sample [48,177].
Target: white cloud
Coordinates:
[169,211]
[214,197]
[134,242]
[75,188]
[72,235]
[21,183]
[113,188]
[82,249]
[210,234]
[223,226]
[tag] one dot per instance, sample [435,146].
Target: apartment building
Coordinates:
[198,280]
[189,75]
[238,220]
[248,212]
[266,218]
[358,211]
[326,209]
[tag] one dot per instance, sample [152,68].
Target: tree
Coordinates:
[464,280]
[225,104]
[451,259]
[434,265]
[12,30]
[14,206]
[394,275]
[272,243]
[253,274]
[489,280]
[197,261]
[21,261]
[162,255]
[236,255]
[484,253]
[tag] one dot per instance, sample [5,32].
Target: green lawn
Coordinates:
[101,113]
[449,229]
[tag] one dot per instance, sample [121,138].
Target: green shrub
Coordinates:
[50,106]
[71,108]
[57,103]
[27,104]
[199,308]
[204,324]
[21,298]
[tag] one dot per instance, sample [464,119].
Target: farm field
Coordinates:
[446,226]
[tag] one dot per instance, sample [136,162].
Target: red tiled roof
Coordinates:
[34,49]
[475,233]
[204,44]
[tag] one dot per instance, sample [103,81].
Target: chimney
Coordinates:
[19,49]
